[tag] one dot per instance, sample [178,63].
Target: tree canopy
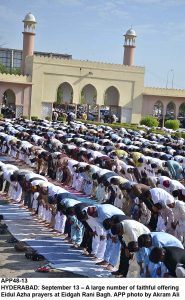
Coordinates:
[5,70]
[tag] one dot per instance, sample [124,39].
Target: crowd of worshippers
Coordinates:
[116,195]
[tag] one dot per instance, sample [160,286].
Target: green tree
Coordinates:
[15,71]
[5,70]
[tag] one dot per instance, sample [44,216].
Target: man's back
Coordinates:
[132,230]
[164,239]
[173,256]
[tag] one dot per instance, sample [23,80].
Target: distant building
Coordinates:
[12,58]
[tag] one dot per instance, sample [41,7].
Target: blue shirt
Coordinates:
[159,239]
[107,211]
[75,221]
[69,202]
[163,239]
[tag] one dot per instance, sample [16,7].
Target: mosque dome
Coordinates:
[131,32]
[29,18]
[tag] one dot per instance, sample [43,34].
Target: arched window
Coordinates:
[111,97]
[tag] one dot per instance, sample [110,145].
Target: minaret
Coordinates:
[28,38]
[129,46]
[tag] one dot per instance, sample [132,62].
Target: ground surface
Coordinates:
[14,264]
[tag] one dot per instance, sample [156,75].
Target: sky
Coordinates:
[93,30]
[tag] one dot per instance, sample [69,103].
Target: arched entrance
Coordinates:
[111,104]
[158,109]
[182,110]
[181,115]
[64,94]
[88,98]
[170,111]
[8,104]
[111,97]
[88,95]
[64,100]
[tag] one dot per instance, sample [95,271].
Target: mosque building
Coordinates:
[92,84]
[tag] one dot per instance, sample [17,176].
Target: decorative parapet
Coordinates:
[152,91]
[87,64]
[15,78]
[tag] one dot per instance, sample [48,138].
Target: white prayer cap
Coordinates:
[43,184]
[36,182]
